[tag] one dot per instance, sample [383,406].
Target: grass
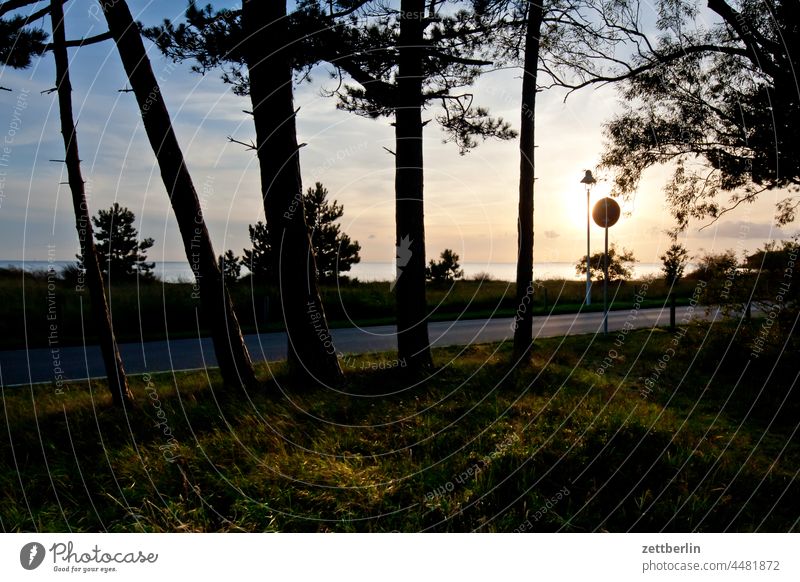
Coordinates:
[479,444]
[27,303]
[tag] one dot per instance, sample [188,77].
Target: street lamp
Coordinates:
[589,180]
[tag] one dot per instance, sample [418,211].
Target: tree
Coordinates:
[718,103]
[413,343]
[565,43]
[18,44]
[723,280]
[717,266]
[258,259]
[674,262]
[775,259]
[112,360]
[618,264]
[258,47]
[523,327]
[446,270]
[270,69]
[230,266]
[215,303]
[773,271]
[121,254]
[401,62]
[334,251]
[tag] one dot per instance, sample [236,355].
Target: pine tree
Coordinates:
[333,249]
[401,60]
[18,46]
[215,302]
[121,254]
[259,259]
[445,270]
[230,266]
[115,372]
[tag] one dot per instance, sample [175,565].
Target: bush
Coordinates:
[446,270]
[618,265]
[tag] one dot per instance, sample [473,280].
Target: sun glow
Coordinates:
[573,203]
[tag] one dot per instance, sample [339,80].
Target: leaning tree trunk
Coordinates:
[215,302]
[413,344]
[115,372]
[523,325]
[310,347]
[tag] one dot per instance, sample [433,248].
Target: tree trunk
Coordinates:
[310,350]
[412,326]
[672,304]
[523,325]
[115,372]
[216,307]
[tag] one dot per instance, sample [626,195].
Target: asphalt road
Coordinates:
[40,365]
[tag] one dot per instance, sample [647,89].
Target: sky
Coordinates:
[470,201]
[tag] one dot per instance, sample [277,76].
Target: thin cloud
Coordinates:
[744,230]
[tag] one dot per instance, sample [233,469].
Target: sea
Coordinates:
[179,271]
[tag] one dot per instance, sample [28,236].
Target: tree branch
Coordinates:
[659,60]
[83,41]
[10,5]
[737,22]
[748,198]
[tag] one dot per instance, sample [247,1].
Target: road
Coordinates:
[42,365]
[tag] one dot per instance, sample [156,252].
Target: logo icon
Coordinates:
[31,555]
[403,256]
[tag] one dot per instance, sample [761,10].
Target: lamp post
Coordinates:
[589,180]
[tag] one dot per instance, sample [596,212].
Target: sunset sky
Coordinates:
[471,201]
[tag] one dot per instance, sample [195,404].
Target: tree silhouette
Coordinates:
[719,104]
[215,303]
[121,254]
[112,360]
[230,266]
[445,270]
[724,280]
[402,61]
[333,249]
[674,263]
[259,259]
[18,46]
[556,43]
[618,264]
[270,68]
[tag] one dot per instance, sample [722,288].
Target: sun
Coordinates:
[573,204]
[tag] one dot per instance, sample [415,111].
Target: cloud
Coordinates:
[551,234]
[744,230]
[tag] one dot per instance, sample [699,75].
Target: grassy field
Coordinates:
[707,442]
[155,311]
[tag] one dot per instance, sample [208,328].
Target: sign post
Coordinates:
[606,214]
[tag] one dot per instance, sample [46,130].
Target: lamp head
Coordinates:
[588,179]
